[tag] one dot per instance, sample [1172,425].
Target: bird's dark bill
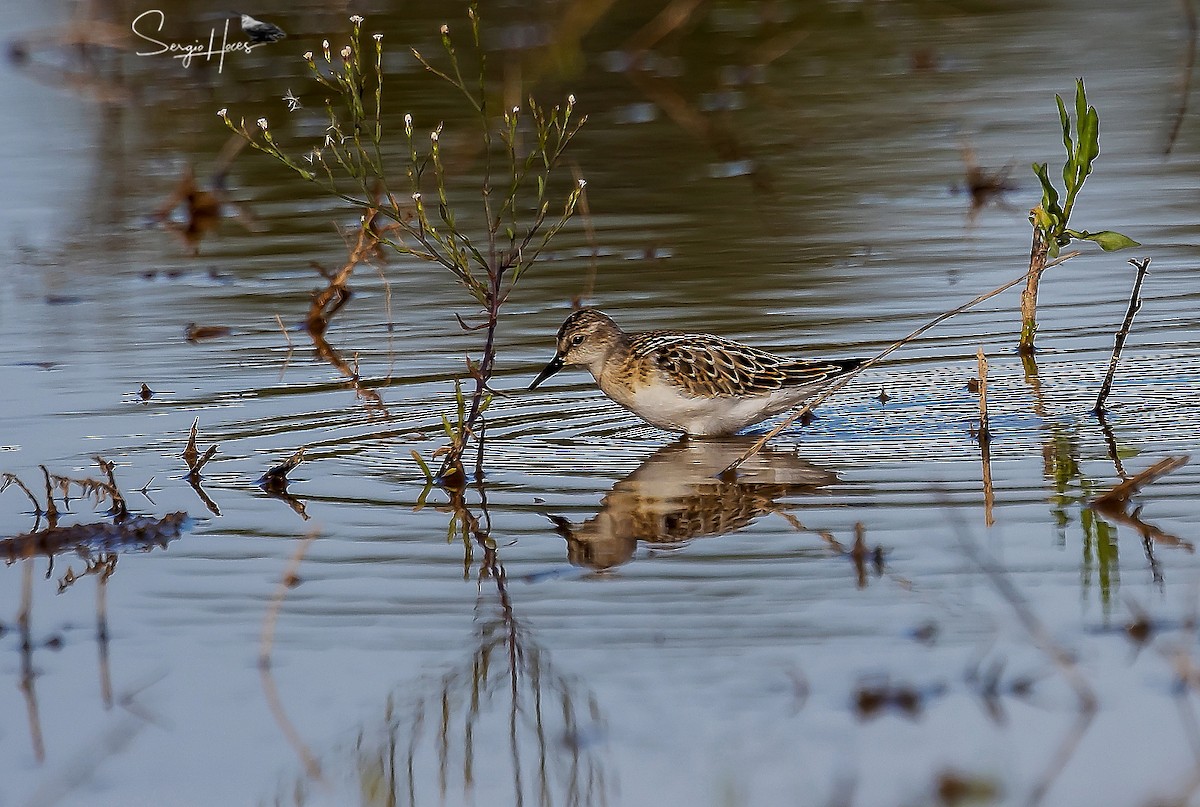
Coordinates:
[553,367]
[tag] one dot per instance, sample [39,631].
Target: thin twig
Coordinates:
[283,330]
[1135,303]
[984,435]
[761,443]
[13,479]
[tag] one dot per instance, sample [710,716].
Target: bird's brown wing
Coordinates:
[710,366]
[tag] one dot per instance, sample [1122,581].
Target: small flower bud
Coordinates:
[223,113]
[377,37]
[571,99]
[445,29]
[582,183]
[433,136]
[357,20]
[308,57]
[262,124]
[416,197]
[346,53]
[408,124]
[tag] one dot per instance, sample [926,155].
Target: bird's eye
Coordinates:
[577,340]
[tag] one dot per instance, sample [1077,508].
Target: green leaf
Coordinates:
[1066,129]
[1080,101]
[1089,141]
[1049,194]
[1110,241]
[424,468]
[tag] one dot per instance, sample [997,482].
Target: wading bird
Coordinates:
[697,384]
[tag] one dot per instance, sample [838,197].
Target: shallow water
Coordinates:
[643,632]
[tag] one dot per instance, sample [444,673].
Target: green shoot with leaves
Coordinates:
[1050,218]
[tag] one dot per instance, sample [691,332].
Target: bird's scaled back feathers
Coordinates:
[706,365]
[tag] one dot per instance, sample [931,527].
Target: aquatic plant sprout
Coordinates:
[1050,218]
[521,216]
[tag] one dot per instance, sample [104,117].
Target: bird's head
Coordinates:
[585,338]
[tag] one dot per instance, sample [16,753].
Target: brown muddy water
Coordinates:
[621,628]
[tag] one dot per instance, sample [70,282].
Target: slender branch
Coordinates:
[848,377]
[1135,303]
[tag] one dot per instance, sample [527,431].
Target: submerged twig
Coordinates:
[192,456]
[12,479]
[1135,303]
[51,508]
[276,477]
[892,348]
[119,510]
[984,435]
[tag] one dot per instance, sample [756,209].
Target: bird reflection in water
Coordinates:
[678,494]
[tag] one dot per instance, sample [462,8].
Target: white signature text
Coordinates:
[184,51]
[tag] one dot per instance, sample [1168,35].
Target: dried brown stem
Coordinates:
[1038,251]
[13,479]
[192,457]
[984,435]
[119,509]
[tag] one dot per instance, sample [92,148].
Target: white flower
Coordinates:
[262,124]
[433,136]
[357,20]
[223,113]
[516,110]
[377,37]
[324,44]
[445,29]
[417,198]
[582,183]
[346,53]
[293,103]
[308,56]
[571,99]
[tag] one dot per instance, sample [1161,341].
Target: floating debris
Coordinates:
[131,534]
[198,333]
